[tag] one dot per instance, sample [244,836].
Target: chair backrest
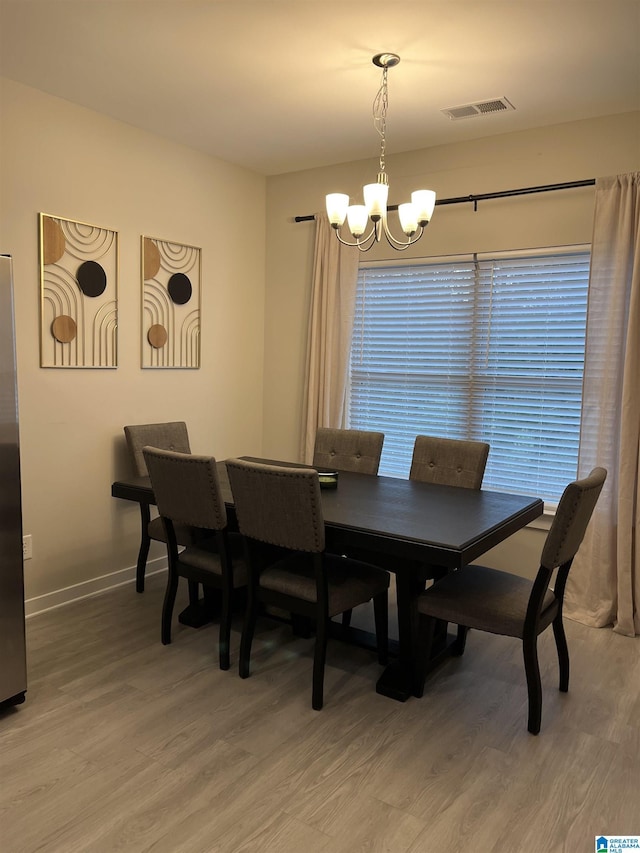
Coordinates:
[561,545]
[169,436]
[278,505]
[186,488]
[348,450]
[571,519]
[449,461]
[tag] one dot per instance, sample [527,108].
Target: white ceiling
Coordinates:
[282,86]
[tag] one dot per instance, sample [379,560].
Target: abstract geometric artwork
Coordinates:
[170,304]
[78,294]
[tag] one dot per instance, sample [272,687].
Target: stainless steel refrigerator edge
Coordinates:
[13,663]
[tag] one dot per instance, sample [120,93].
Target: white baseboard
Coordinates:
[90,588]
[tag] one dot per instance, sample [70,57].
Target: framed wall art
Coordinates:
[171,288]
[78,294]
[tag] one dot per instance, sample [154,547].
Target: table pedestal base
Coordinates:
[395,682]
[199,614]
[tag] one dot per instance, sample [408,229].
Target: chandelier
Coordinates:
[414,215]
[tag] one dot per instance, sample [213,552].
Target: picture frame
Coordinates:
[78,294]
[171,304]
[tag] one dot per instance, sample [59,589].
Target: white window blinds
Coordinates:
[488,348]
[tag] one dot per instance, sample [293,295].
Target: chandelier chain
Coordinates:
[380,106]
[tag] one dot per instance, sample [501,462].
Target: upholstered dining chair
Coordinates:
[449,461]
[187,491]
[354,450]
[502,603]
[280,507]
[172,435]
[167,436]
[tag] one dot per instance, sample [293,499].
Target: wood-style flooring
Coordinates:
[127,745]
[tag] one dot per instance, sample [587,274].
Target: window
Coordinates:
[488,348]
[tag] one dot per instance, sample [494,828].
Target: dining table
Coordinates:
[401,525]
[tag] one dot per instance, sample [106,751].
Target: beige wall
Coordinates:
[64,160]
[566,152]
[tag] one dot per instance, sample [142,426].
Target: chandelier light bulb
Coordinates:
[424,201]
[408,215]
[337,204]
[357,216]
[375,199]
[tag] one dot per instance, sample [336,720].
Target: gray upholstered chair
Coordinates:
[503,603]
[281,508]
[187,492]
[449,461]
[354,450]
[167,436]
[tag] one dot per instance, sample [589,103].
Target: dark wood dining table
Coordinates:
[401,524]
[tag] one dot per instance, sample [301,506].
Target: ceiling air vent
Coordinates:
[480,108]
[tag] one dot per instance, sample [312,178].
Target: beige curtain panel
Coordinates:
[335,276]
[604,584]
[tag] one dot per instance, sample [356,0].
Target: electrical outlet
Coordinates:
[27,547]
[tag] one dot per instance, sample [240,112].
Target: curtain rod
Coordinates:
[589,182]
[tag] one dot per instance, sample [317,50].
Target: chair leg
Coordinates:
[225,629]
[381,617]
[534,685]
[346,616]
[422,652]
[563,652]
[457,649]
[167,605]
[145,542]
[194,593]
[248,629]
[319,658]
[301,626]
